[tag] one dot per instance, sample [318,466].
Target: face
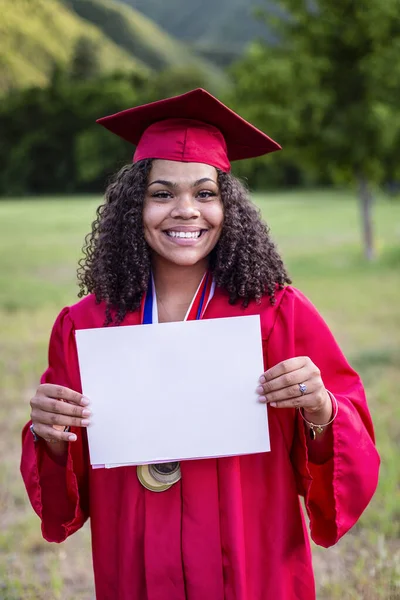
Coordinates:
[183,212]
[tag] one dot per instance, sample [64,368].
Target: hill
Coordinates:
[139,35]
[36,35]
[220,29]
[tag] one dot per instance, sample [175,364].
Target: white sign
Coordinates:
[173,391]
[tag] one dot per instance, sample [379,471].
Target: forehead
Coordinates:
[175,171]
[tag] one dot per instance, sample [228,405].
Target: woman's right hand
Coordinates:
[53,408]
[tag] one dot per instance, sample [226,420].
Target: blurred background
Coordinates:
[320,77]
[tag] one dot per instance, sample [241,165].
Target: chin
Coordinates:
[185,262]
[184,259]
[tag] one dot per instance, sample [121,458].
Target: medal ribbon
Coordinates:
[196,310]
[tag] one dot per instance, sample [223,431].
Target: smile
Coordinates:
[184,237]
[184,234]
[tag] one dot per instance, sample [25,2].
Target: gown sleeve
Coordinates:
[337,491]
[58,492]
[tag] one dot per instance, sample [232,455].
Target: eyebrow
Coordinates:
[175,185]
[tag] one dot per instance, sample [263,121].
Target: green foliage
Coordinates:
[221,54]
[37,34]
[46,126]
[85,62]
[329,90]
[174,81]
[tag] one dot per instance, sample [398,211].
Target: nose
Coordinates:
[185,208]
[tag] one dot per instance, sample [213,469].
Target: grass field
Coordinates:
[318,236]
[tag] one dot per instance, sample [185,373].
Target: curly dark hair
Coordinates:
[117,260]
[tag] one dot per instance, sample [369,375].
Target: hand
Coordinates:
[55,407]
[279,386]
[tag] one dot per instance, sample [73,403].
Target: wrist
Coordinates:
[323,415]
[54,448]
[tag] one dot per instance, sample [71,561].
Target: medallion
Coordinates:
[159,477]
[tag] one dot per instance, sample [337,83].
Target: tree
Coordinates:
[175,81]
[85,62]
[50,141]
[329,89]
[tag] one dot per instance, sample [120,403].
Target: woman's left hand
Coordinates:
[281,387]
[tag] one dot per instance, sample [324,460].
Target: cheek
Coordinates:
[215,216]
[150,218]
[148,226]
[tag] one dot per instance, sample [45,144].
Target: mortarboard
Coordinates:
[192,127]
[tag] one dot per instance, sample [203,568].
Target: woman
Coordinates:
[229,528]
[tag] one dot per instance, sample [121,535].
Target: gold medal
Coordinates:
[159,477]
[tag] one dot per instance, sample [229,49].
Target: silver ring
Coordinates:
[302,388]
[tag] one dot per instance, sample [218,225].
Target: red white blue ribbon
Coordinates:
[196,310]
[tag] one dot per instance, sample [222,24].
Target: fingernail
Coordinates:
[272,404]
[86,412]
[261,398]
[85,401]
[72,437]
[260,390]
[85,422]
[262,379]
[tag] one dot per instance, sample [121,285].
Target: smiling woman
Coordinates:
[176,239]
[182,209]
[142,203]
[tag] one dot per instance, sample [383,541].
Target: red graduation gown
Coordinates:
[233,528]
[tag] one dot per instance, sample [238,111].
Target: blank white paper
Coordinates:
[173,391]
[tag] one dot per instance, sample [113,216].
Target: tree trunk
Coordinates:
[366,201]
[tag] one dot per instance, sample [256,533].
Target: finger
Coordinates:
[63,393]
[53,435]
[49,418]
[308,402]
[50,405]
[292,391]
[291,379]
[284,367]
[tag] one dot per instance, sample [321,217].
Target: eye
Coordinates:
[205,194]
[161,195]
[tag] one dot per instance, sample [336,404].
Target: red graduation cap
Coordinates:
[193,127]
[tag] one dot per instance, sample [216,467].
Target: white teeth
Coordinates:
[184,234]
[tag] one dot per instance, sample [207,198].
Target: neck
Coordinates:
[179,282]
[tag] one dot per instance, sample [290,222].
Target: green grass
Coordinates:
[318,235]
